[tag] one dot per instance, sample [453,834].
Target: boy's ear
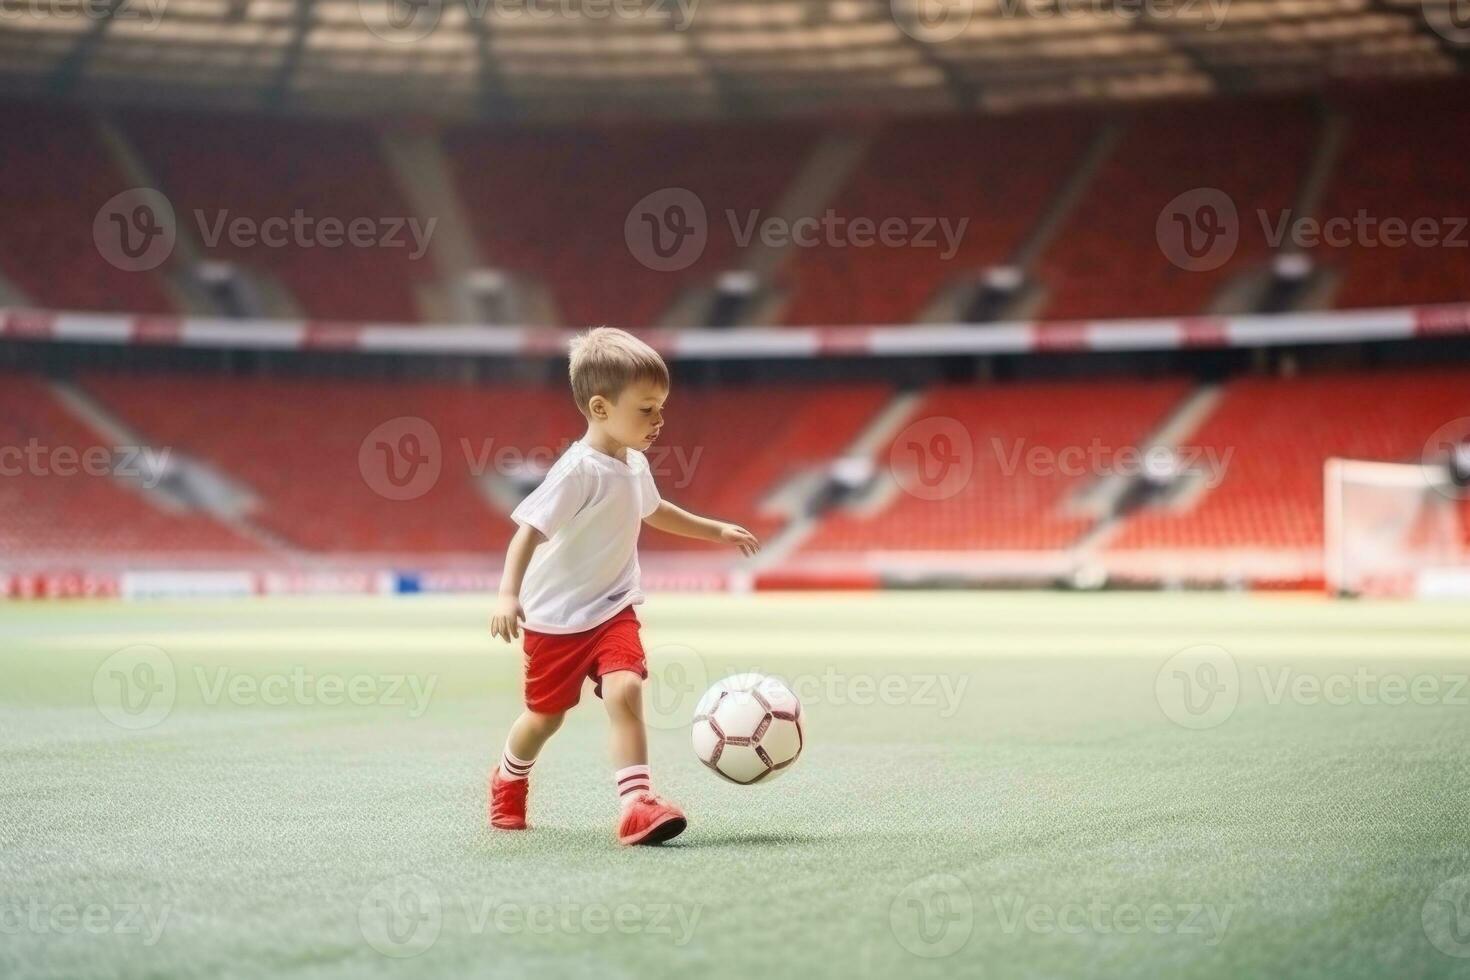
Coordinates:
[598,407]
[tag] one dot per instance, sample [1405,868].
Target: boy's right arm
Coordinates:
[505,622]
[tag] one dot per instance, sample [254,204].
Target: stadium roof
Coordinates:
[559,58]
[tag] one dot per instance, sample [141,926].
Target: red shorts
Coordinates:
[558,663]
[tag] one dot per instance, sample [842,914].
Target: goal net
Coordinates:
[1393,529]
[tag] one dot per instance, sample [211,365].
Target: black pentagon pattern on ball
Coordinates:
[795,718]
[742,740]
[771,714]
[714,757]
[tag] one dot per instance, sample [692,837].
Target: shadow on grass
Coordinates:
[695,839]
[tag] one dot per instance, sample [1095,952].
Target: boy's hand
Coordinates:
[741,538]
[505,622]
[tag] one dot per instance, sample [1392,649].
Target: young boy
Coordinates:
[571,574]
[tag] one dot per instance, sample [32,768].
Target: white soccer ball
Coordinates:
[747,728]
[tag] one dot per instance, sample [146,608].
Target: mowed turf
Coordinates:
[993,784]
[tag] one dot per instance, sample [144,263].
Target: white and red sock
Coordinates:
[632,783]
[512,768]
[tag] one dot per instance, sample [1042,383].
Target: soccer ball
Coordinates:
[747,728]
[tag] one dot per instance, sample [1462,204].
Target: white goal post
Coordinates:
[1393,529]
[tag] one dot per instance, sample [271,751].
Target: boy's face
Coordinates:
[635,417]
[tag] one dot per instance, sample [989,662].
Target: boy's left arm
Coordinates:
[677,520]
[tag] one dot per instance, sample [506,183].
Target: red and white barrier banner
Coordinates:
[295,582]
[188,585]
[1333,327]
[58,585]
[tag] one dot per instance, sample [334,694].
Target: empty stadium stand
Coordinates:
[741,443]
[50,505]
[1013,500]
[551,204]
[1107,261]
[989,178]
[217,171]
[1279,433]
[314,457]
[1402,163]
[298,448]
[55,175]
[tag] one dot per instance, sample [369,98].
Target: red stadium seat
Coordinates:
[1002,507]
[55,175]
[48,505]
[551,204]
[1107,261]
[262,169]
[297,447]
[1279,433]
[1402,161]
[996,175]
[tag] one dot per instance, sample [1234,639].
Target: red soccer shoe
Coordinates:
[507,802]
[650,820]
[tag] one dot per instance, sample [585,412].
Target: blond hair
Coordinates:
[605,360]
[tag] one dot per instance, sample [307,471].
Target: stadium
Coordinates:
[1095,375]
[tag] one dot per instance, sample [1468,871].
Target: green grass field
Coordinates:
[1012,785]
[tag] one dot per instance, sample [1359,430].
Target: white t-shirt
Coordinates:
[591,507]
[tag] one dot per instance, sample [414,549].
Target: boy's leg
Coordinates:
[645,819]
[508,781]
[622,692]
[529,733]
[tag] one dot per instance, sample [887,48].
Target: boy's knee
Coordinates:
[547,722]
[622,689]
